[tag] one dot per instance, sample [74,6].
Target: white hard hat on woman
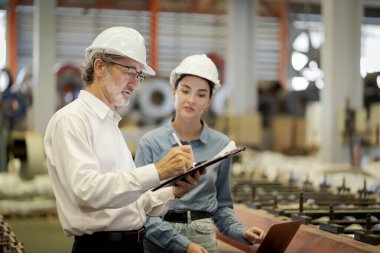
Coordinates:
[197,65]
[122,41]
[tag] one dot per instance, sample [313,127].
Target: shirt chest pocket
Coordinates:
[109,152]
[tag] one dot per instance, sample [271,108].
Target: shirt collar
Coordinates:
[203,137]
[99,107]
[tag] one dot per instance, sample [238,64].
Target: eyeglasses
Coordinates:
[131,71]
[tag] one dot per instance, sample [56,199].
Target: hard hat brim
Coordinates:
[148,70]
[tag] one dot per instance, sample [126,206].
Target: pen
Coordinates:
[176,139]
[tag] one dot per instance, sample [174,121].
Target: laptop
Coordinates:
[278,237]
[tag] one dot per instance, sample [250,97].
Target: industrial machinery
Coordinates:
[348,209]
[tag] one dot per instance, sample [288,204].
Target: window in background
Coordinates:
[307,40]
[4,79]
[370,50]
[3,41]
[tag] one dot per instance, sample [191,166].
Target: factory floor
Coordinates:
[44,235]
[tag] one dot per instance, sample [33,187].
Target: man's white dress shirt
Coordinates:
[96,184]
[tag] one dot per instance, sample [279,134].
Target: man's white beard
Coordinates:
[115,92]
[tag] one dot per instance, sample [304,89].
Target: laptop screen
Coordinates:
[278,237]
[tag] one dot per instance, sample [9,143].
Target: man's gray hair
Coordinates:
[88,66]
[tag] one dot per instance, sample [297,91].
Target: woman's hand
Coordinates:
[253,235]
[195,248]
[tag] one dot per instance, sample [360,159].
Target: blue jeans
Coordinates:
[201,232]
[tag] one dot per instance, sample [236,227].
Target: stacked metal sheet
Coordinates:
[8,240]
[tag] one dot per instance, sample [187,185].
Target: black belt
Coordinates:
[185,216]
[132,236]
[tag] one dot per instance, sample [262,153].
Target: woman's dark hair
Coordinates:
[211,84]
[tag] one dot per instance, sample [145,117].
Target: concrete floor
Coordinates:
[40,235]
[44,235]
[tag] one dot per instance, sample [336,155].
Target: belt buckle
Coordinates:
[140,235]
[188,215]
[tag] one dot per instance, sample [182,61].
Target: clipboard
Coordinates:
[201,165]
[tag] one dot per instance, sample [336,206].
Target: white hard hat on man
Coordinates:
[128,42]
[198,65]
[122,41]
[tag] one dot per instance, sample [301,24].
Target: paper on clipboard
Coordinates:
[230,146]
[227,151]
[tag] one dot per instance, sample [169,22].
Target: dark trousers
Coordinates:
[107,248]
[110,242]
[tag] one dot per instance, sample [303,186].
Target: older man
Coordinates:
[102,199]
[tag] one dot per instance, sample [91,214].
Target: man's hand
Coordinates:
[186,184]
[177,161]
[253,235]
[195,248]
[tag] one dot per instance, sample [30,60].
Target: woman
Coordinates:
[189,225]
